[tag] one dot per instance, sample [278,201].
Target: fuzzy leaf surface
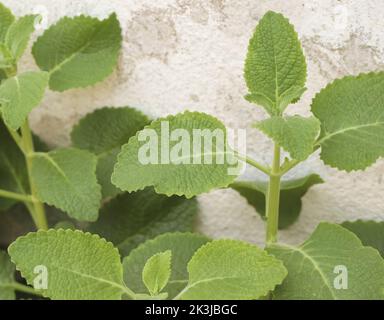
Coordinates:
[80,266]
[157,271]
[232,270]
[19,95]
[66,179]
[275,67]
[311,267]
[294,134]
[19,34]
[351,112]
[79,51]
[186,168]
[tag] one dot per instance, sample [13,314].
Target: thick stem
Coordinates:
[38,208]
[273,198]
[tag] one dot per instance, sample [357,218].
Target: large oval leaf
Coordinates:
[230,269]
[80,266]
[79,51]
[275,68]
[186,154]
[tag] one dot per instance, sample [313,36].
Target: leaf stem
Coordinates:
[254,163]
[15,196]
[273,198]
[38,207]
[16,137]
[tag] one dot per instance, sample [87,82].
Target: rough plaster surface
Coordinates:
[181,54]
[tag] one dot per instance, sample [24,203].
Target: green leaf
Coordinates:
[314,267]
[13,172]
[351,111]
[19,34]
[182,246]
[232,270]
[185,168]
[6,20]
[295,134]
[157,271]
[20,94]
[80,266]
[66,179]
[79,51]
[6,60]
[103,132]
[131,219]
[275,68]
[7,270]
[290,196]
[371,233]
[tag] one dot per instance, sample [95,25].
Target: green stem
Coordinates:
[254,163]
[273,198]
[15,196]
[22,288]
[38,208]
[16,137]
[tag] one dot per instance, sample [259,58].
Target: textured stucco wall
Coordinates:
[188,54]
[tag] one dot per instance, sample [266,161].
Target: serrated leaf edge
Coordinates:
[61,231]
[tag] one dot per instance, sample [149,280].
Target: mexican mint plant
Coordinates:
[115,211]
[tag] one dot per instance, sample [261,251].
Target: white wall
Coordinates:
[181,54]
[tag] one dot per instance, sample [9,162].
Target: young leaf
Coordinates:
[19,95]
[6,20]
[295,135]
[351,111]
[371,233]
[79,51]
[331,264]
[275,68]
[18,35]
[66,179]
[170,156]
[103,132]
[157,271]
[290,197]
[131,219]
[182,246]
[7,271]
[13,172]
[229,270]
[79,266]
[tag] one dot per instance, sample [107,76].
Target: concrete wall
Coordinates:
[181,54]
